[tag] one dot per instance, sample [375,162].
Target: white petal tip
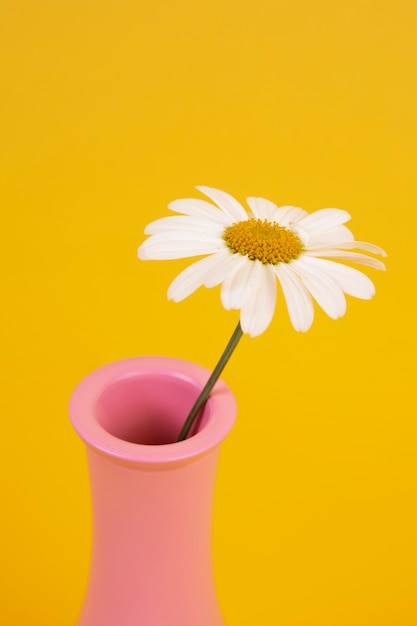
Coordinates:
[304,329]
[172,296]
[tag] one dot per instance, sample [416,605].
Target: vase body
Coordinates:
[151,562]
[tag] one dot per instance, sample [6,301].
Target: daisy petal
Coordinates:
[353,257]
[226,202]
[323,219]
[191,278]
[332,237]
[349,279]
[298,300]
[361,245]
[257,313]
[326,292]
[262,209]
[228,263]
[184,223]
[199,208]
[239,285]
[286,215]
[180,246]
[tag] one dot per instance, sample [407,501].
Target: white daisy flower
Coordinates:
[248,253]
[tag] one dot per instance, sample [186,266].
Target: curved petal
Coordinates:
[361,245]
[323,219]
[298,300]
[257,313]
[228,263]
[239,285]
[326,291]
[354,257]
[164,246]
[286,215]
[349,279]
[200,208]
[186,224]
[331,238]
[226,202]
[262,208]
[191,278]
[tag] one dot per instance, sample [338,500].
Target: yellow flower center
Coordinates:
[266,241]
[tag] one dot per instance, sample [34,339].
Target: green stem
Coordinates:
[211,382]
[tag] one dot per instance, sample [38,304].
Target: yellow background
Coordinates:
[110,110]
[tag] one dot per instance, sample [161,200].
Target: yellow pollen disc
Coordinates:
[266,241]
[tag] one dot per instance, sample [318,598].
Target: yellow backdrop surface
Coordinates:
[111,109]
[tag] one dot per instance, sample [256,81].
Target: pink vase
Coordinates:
[152,498]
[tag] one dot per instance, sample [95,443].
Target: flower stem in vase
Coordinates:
[211,382]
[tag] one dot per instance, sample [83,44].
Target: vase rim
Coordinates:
[221,410]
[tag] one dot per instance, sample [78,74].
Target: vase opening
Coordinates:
[149,410]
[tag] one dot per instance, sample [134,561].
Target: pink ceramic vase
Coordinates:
[152,498]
